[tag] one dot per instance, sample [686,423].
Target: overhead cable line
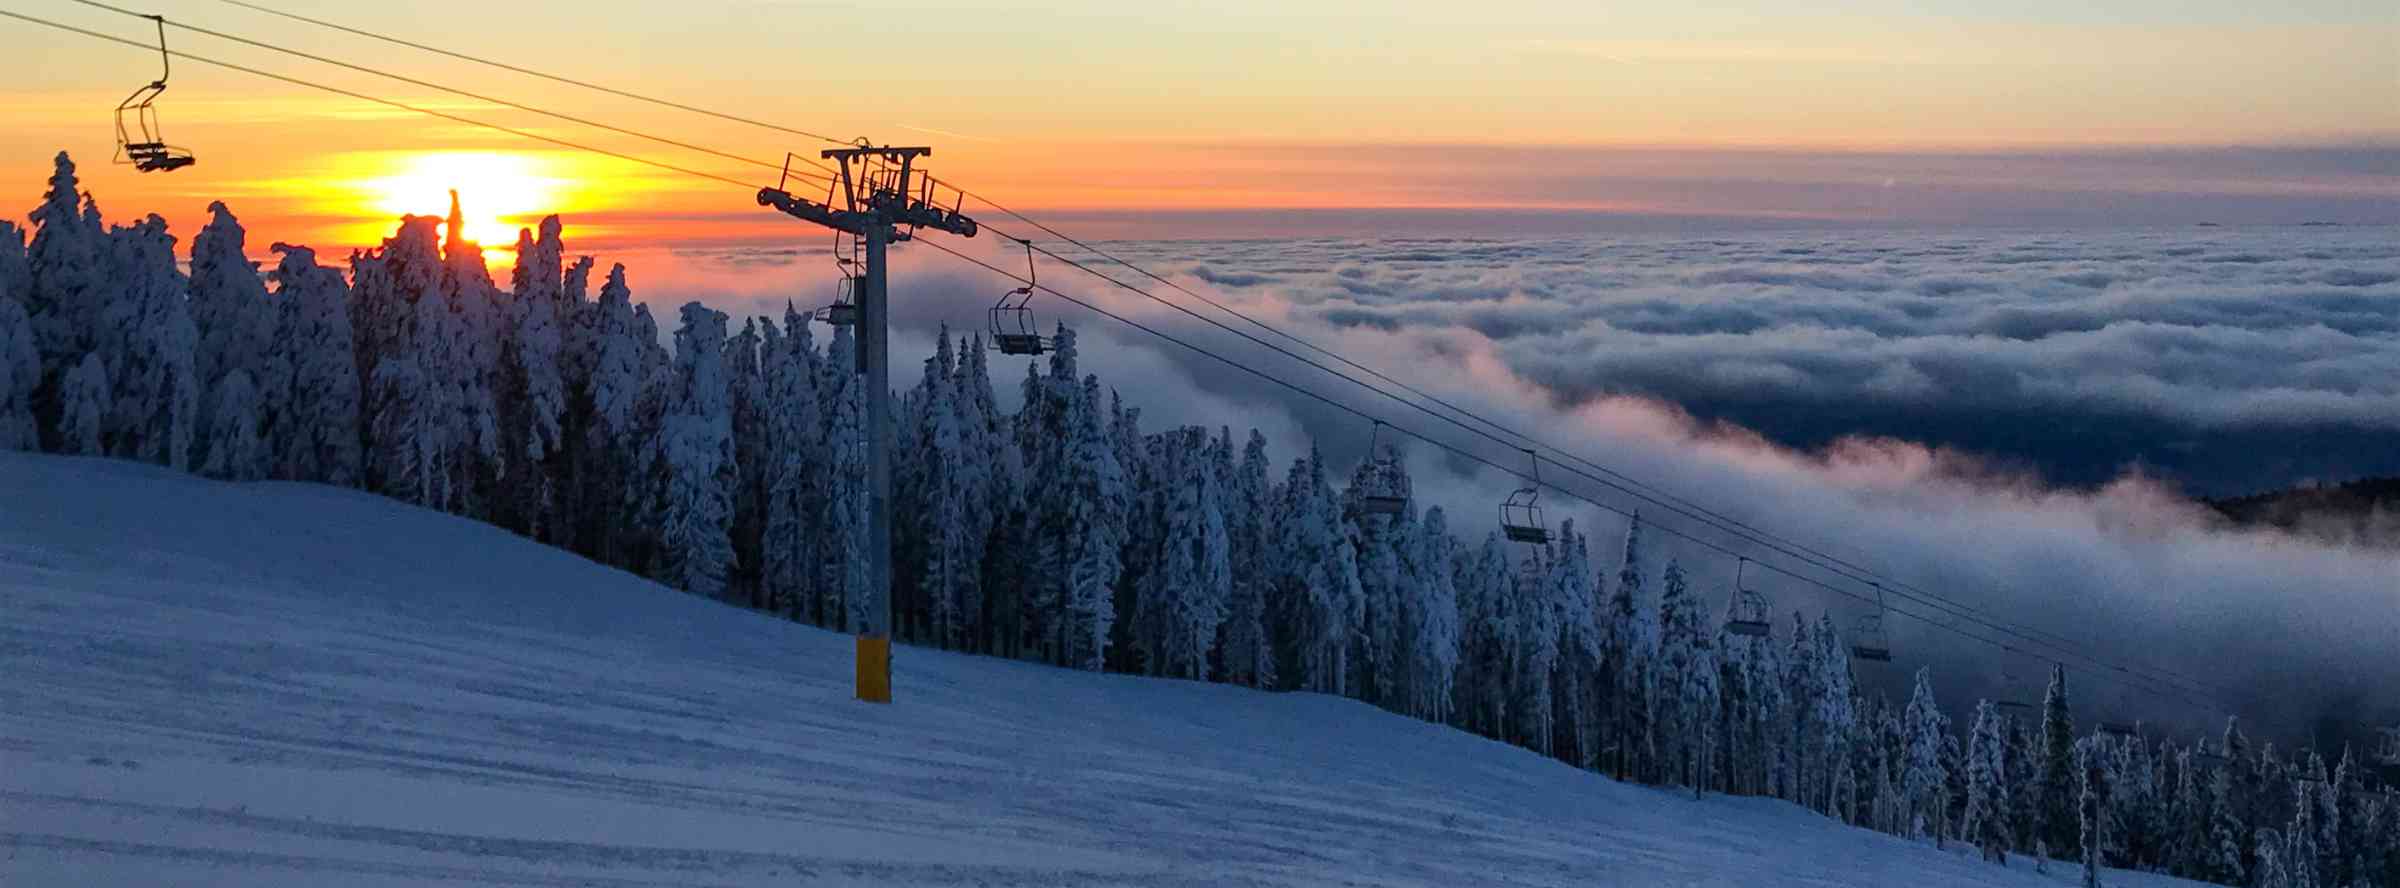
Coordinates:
[563,143]
[480,97]
[529,72]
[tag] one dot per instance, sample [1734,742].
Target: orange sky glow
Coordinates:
[1239,106]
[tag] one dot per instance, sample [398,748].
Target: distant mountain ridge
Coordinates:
[2365,511]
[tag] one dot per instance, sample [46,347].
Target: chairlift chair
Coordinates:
[2120,729]
[1013,332]
[1382,496]
[1867,641]
[844,310]
[1750,609]
[148,152]
[1521,513]
[2008,682]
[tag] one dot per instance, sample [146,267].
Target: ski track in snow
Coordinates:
[280,684]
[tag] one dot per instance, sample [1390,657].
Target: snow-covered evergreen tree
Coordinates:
[147,337]
[611,461]
[406,331]
[1488,643]
[1923,780]
[798,480]
[69,280]
[2056,782]
[1987,814]
[1248,652]
[1433,629]
[942,500]
[1568,589]
[1687,679]
[317,438]
[236,450]
[236,326]
[842,521]
[2091,805]
[532,395]
[2226,838]
[83,407]
[1316,601]
[1624,661]
[20,363]
[696,447]
[1184,596]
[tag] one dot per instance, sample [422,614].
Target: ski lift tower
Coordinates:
[878,196]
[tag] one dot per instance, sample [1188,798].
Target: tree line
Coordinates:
[732,466]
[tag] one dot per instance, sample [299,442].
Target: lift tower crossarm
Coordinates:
[878,199]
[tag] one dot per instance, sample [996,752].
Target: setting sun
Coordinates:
[499,191]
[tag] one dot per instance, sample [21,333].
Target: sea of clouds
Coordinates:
[2014,420]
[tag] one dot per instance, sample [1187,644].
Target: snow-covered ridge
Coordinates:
[289,684]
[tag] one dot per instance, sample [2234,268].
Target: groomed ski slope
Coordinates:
[282,684]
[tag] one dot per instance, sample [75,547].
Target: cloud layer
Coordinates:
[1906,402]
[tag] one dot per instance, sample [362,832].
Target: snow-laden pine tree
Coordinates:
[532,386]
[20,364]
[317,437]
[842,520]
[937,518]
[1247,649]
[233,355]
[1433,620]
[69,279]
[236,449]
[696,447]
[2270,870]
[1837,709]
[1799,681]
[1624,664]
[985,484]
[1316,600]
[1184,596]
[406,332]
[1378,651]
[1923,779]
[1533,697]
[83,407]
[1081,536]
[1687,669]
[468,364]
[746,380]
[610,460]
[2056,780]
[1987,813]
[147,337]
[2225,858]
[1488,641]
[798,479]
[1575,605]
[2091,805]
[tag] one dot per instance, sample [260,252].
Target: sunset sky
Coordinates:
[1193,118]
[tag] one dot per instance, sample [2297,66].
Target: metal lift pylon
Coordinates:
[879,197]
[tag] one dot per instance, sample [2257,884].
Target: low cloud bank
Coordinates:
[1905,402]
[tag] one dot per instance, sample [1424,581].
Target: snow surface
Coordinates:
[205,683]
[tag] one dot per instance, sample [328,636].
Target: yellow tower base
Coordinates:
[875,668]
